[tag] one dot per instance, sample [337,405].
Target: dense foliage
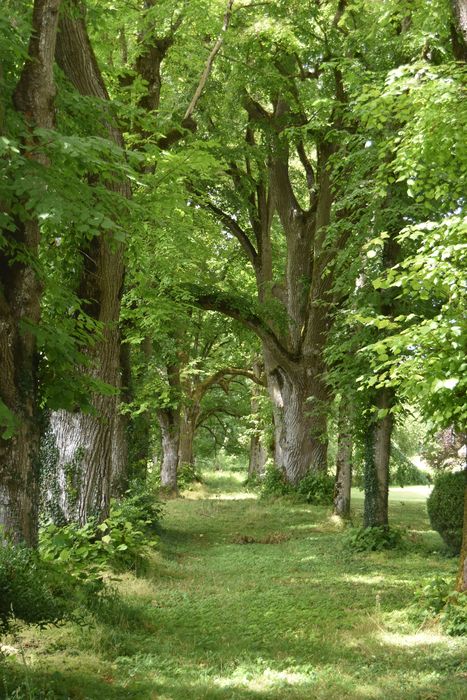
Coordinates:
[33,590]
[232,237]
[446,508]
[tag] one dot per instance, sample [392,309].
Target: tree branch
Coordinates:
[235,228]
[217,377]
[238,310]
[207,70]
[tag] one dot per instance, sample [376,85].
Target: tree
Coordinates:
[280,163]
[90,447]
[20,290]
[422,354]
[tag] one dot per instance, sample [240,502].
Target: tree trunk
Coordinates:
[20,294]
[93,447]
[300,421]
[258,456]
[169,422]
[343,462]
[378,452]
[258,453]
[187,434]
[459,29]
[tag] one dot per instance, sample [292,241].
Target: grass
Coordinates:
[224,615]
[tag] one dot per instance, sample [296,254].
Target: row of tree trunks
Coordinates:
[91,450]
[20,297]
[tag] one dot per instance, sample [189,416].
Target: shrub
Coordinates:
[454,616]
[188,475]
[274,483]
[317,488]
[121,541]
[446,508]
[140,507]
[31,589]
[436,600]
[372,539]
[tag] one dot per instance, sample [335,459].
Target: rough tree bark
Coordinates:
[459,29]
[91,447]
[293,356]
[343,461]
[20,295]
[377,456]
[169,423]
[188,421]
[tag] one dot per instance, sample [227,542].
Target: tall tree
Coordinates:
[280,184]
[91,447]
[20,294]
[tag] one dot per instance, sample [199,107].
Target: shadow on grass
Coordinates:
[25,683]
[266,681]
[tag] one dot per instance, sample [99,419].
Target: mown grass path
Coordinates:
[248,600]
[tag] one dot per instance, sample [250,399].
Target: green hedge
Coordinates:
[446,508]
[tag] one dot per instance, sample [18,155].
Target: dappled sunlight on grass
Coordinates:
[220,485]
[266,679]
[249,599]
[368,580]
[423,638]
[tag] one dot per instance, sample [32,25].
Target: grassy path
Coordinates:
[288,615]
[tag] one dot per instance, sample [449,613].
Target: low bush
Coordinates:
[372,539]
[32,590]
[317,488]
[446,508]
[274,484]
[454,615]
[436,600]
[122,541]
[187,476]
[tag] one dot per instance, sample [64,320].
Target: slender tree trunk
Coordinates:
[257,457]
[258,452]
[378,452]
[20,295]
[93,447]
[169,422]
[187,434]
[343,462]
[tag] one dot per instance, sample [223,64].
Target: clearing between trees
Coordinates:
[253,599]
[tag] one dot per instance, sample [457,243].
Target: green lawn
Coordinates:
[288,616]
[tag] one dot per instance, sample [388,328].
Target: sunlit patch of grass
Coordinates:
[213,620]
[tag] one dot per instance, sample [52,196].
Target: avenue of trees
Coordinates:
[226,224]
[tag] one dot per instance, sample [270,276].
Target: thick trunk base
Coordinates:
[300,422]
